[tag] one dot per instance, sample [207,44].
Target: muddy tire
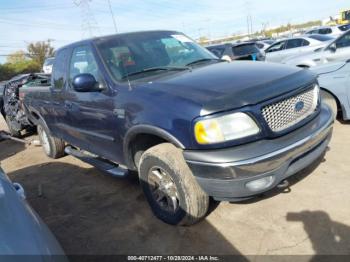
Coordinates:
[329,100]
[52,146]
[170,187]
[12,128]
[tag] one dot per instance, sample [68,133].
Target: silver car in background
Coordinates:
[329,30]
[22,232]
[286,48]
[47,67]
[336,51]
[334,80]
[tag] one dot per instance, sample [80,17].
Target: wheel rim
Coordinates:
[44,139]
[163,189]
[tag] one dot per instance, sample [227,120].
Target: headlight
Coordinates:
[225,128]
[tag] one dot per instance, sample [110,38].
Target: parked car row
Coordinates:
[287,48]
[238,51]
[335,51]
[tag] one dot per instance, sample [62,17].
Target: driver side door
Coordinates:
[93,125]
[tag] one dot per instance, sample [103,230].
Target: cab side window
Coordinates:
[59,69]
[83,62]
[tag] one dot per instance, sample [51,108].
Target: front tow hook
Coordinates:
[284,185]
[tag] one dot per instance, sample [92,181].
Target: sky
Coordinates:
[64,21]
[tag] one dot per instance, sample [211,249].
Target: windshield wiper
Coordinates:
[206,60]
[160,68]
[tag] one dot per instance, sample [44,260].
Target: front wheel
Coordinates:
[170,187]
[53,147]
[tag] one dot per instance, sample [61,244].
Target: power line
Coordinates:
[112,14]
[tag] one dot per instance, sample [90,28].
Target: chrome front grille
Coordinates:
[286,113]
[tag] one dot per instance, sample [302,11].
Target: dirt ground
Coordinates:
[92,213]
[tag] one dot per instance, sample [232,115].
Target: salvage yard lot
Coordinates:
[92,213]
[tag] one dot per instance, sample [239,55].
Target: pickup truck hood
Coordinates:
[328,68]
[224,86]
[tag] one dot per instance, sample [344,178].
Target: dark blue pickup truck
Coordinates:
[192,126]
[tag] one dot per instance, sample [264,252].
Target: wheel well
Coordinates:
[139,144]
[340,110]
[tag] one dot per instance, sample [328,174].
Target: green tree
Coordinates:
[39,51]
[16,57]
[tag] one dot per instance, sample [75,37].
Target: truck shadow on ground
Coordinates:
[327,236]
[91,213]
[11,147]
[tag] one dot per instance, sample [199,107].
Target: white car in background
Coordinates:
[286,48]
[336,51]
[264,44]
[329,30]
[47,67]
[334,81]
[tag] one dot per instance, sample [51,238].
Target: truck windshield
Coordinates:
[134,54]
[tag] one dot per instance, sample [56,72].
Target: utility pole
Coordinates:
[112,14]
[249,18]
[89,25]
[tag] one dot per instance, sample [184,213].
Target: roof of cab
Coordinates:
[89,40]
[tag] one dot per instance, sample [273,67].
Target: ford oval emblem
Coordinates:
[299,106]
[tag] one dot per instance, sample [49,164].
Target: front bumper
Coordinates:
[225,173]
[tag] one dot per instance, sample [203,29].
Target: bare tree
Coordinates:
[39,51]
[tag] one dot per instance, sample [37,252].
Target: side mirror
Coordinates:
[332,48]
[85,83]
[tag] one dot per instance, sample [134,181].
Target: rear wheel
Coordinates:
[330,101]
[170,187]
[53,147]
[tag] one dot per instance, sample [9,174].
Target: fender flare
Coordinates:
[150,130]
